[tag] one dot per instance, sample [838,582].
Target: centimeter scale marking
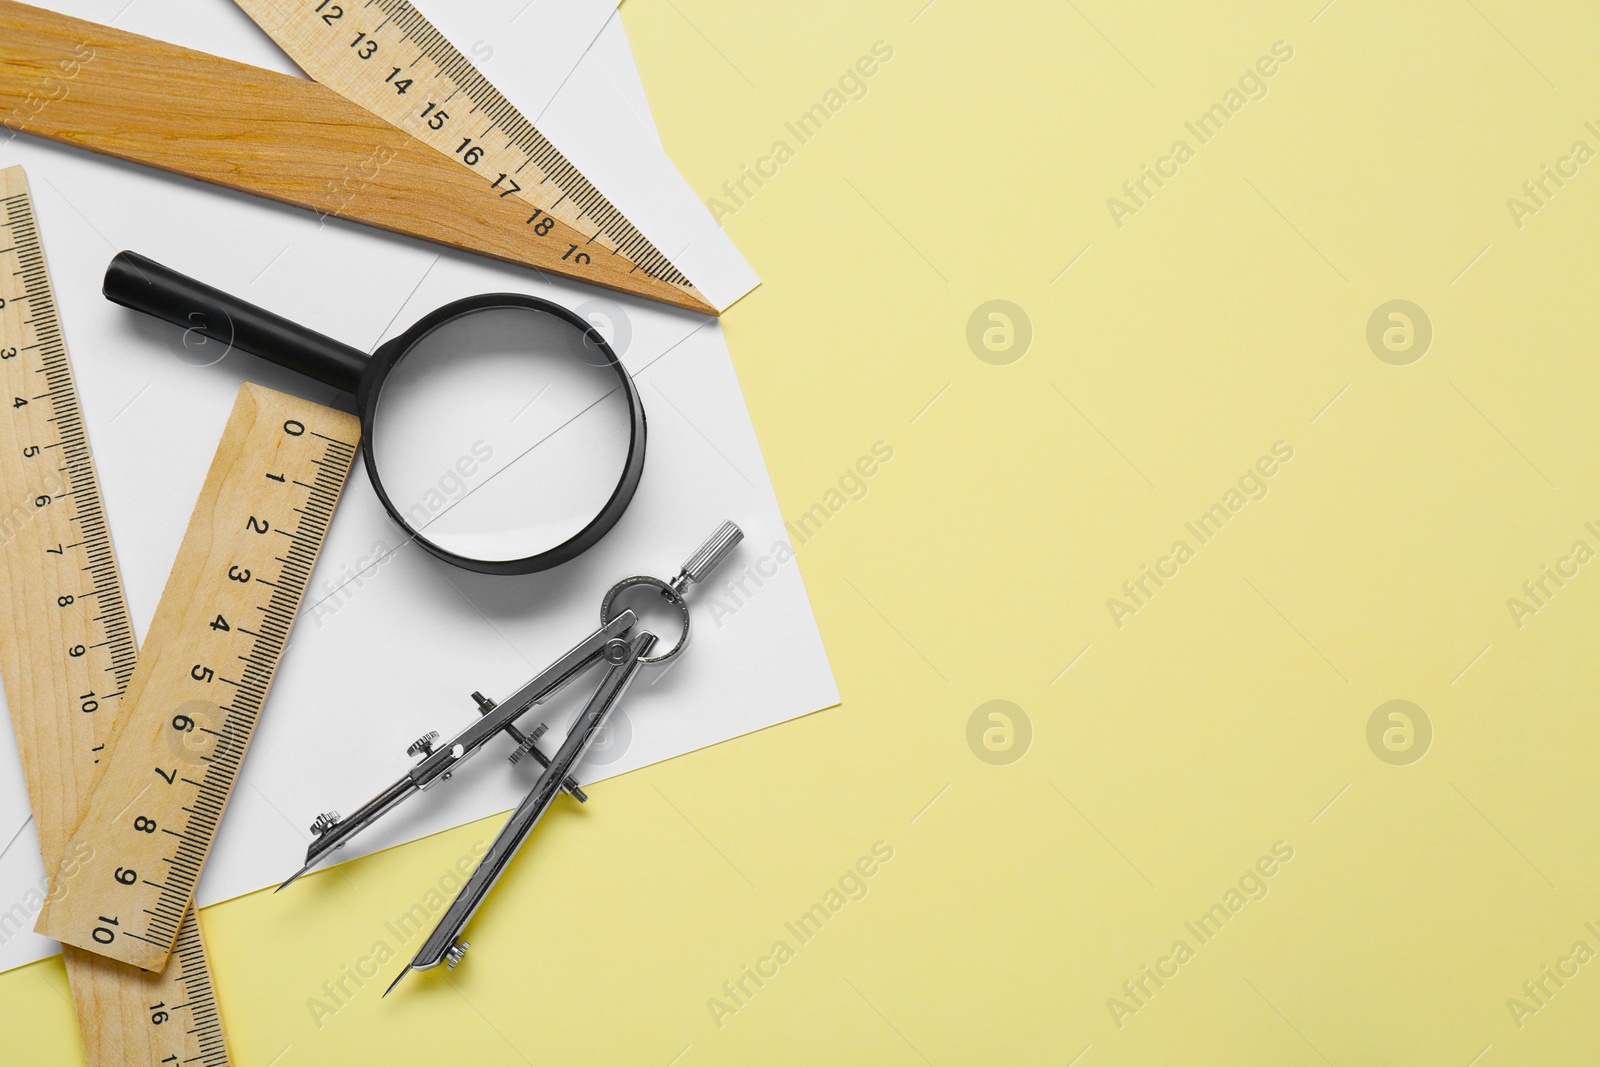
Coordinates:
[197,694]
[387,57]
[356,141]
[565,183]
[67,653]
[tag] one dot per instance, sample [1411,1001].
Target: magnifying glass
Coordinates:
[509,434]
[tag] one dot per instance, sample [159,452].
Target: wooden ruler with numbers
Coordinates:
[396,130]
[202,679]
[384,56]
[67,651]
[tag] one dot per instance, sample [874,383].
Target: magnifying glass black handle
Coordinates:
[145,285]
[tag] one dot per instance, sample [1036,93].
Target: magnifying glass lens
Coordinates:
[501,434]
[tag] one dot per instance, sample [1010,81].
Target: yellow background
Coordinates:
[1230,713]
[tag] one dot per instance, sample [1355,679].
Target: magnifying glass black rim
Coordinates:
[393,351]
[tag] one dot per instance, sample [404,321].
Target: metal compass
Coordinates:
[622,649]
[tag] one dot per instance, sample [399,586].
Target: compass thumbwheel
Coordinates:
[423,746]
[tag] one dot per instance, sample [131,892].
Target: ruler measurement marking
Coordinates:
[298,31]
[212,794]
[192,814]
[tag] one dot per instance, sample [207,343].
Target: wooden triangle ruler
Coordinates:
[397,130]
[67,652]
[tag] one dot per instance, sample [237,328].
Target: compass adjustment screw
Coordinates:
[423,746]
[454,954]
[526,742]
[485,705]
[324,822]
[527,745]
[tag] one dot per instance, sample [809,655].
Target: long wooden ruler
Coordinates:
[197,693]
[432,151]
[67,649]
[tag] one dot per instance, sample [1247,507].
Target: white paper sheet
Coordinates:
[614,54]
[377,661]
